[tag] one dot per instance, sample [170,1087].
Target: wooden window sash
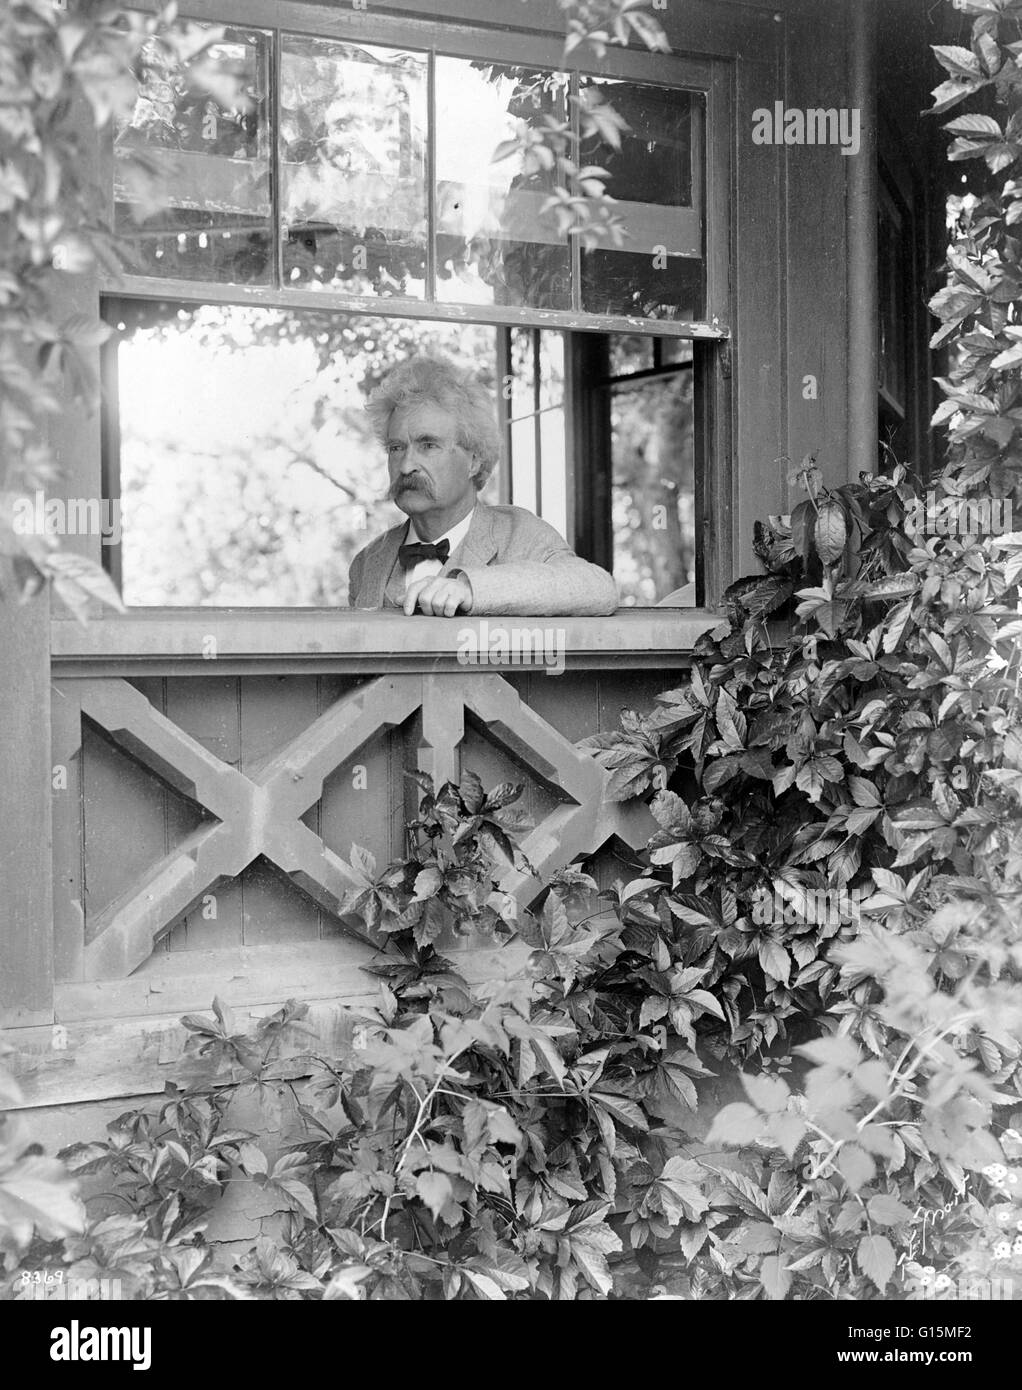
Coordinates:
[209,292]
[451,40]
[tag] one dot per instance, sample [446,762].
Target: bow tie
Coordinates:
[410,555]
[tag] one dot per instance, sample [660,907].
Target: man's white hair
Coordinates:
[435,380]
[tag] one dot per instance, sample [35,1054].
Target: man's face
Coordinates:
[429,469]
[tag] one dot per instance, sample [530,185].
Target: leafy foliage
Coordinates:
[531,1137]
[579,203]
[37,1195]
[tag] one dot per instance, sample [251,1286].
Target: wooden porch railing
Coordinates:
[212,773]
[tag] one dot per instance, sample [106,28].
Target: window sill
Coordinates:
[237,640]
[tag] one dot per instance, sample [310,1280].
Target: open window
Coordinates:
[247,473]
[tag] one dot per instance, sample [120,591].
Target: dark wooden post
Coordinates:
[862,246]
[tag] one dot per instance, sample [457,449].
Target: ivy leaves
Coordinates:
[686,837]
[447,884]
[54,66]
[36,1195]
[636,757]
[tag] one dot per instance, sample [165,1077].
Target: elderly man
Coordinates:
[455,554]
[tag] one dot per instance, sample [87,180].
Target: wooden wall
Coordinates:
[88,1032]
[203,830]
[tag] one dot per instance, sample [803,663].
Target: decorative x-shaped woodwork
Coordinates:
[578,827]
[261,814]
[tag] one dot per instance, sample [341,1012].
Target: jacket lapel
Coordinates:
[478,547]
[380,565]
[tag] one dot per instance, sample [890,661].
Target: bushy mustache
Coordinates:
[410,482]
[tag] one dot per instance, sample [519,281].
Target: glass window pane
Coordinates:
[494,245]
[537,403]
[353,167]
[553,478]
[249,474]
[637,352]
[523,372]
[893,276]
[630,352]
[551,369]
[205,152]
[658,273]
[653,490]
[523,463]
[675,350]
[535,352]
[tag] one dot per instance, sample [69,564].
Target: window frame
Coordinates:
[710,76]
[595,382]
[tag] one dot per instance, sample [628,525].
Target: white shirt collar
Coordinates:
[455,535]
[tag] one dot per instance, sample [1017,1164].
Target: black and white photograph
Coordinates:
[510,669]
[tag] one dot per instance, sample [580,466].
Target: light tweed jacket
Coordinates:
[516,564]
